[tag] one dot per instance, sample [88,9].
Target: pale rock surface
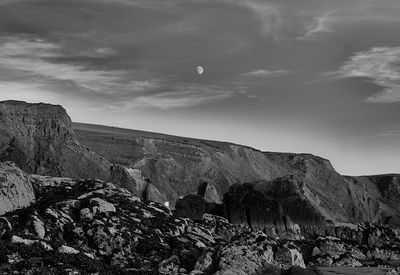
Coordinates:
[16,190]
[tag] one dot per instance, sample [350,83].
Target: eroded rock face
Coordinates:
[16,189]
[39,139]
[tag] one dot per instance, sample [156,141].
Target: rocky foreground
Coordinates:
[70,226]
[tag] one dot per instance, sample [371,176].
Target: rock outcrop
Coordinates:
[281,204]
[16,189]
[39,139]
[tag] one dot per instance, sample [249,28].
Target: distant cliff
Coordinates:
[178,166]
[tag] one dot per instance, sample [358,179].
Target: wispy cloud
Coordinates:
[185,96]
[265,73]
[390,133]
[33,57]
[382,66]
[37,63]
[319,24]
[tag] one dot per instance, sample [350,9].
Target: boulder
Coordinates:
[245,259]
[102,206]
[278,204]
[289,256]
[16,190]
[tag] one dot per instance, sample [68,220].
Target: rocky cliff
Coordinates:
[178,166]
[39,139]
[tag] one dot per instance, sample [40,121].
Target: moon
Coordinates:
[200,70]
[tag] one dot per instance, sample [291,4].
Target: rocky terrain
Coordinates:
[95,227]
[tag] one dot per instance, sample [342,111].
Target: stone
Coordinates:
[5,227]
[332,246]
[102,206]
[86,214]
[38,227]
[347,260]
[324,260]
[243,259]
[204,263]
[19,240]
[16,190]
[170,266]
[67,250]
[289,257]
[316,251]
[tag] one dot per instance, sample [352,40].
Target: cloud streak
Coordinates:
[382,66]
[186,96]
[265,73]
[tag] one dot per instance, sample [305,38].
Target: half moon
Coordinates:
[200,70]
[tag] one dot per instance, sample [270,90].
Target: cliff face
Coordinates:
[39,139]
[178,166]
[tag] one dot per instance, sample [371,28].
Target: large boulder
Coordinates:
[280,204]
[16,189]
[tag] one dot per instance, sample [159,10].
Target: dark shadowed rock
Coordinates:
[281,204]
[191,206]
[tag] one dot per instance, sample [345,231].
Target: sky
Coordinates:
[315,76]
